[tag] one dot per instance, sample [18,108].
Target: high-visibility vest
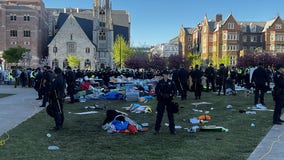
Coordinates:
[32,74]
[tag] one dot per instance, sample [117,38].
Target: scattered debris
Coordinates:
[83,113]
[53,148]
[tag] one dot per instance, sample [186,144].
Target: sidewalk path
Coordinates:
[272,145]
[17,108]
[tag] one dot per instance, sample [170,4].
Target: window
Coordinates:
[278,26]
[233,60]
[13,43]
[71,47]
[253,38]
[65,63]
[71,37]
[244,38]
[231,26]
[102,12]
[102,24]
[102,35]
[27,43]
[26,18]
[54,63]
[54,49]
[87,50]
[27,33]
[13,33]
[13,17]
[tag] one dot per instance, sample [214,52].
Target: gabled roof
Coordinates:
[188,30]
[269,23]
[85,24]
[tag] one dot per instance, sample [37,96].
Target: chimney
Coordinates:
[218,17]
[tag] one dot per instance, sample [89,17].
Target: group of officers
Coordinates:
[167,88]
[50,85]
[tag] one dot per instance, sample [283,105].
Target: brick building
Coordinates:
[24,23]
[218,39]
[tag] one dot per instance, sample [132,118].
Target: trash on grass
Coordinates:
[193,129]
[213,128]
[229,106]
[250,112]
[176,127]
[53,148]
[48,135]
[83,113]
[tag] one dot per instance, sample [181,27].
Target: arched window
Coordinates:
[87,64]
[54,63]
[65,63]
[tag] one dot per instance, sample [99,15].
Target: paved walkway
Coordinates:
[272,145]
[17,108]
[21,106]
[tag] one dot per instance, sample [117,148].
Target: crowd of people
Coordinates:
[52,86]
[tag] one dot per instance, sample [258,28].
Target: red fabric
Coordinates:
[132,128]
[85,85]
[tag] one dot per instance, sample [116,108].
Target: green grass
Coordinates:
[2,95]
[83,138]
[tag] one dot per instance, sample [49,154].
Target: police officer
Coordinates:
[70,80]
[259,78]
[38,83]
[278,93]
[183,78]
[222,75]
[210,75]
[46,82]
[196,79]
[56,98]
[165,90]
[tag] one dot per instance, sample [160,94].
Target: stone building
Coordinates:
[24,23]
[88,35]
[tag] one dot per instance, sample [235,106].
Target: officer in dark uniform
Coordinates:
[278,93]
[196,80]
[70,80]
[183,78]
[210,75]
[46,81]
[38,83]
[222,75]
[56,98]
[175,78]
[165,90]
[259,78]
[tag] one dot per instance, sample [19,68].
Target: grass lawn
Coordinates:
[2,95]
[82,137]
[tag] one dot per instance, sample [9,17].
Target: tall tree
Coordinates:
[121,51]
[73,61]
[194,59]
[14,54]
